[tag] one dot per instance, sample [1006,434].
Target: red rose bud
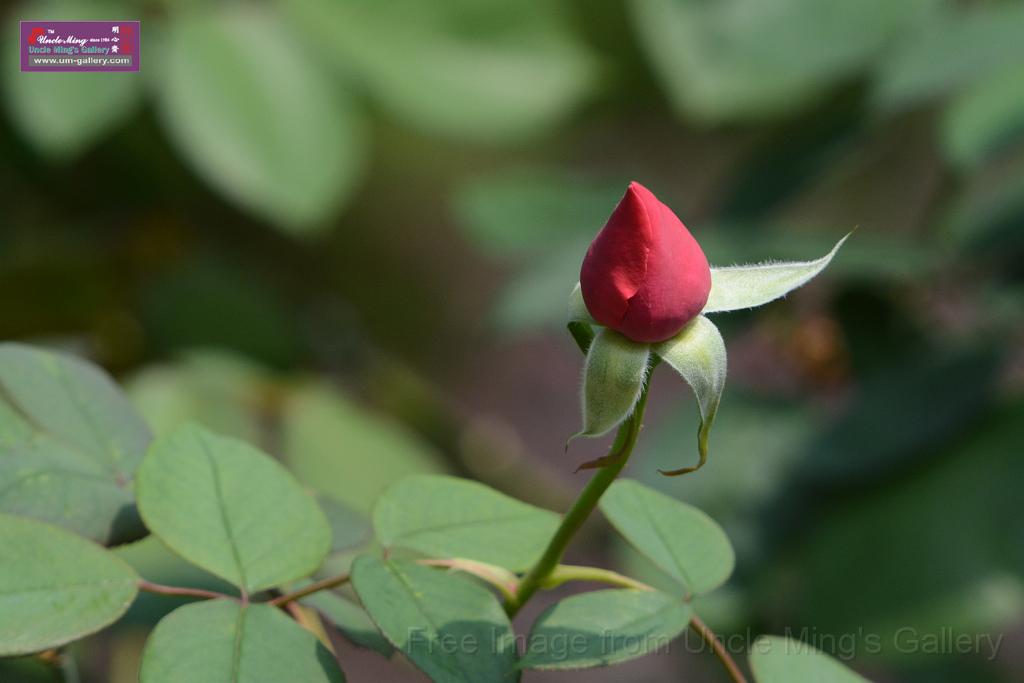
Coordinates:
[644,274]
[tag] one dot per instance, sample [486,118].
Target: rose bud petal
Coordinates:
[644,275]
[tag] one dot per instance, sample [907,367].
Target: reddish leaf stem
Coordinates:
[324,584]
[718,648]
[181,591]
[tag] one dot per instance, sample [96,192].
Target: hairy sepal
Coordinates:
[614,376]
[697,353]
[737,287]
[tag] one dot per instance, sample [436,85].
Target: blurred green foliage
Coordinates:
[345,231]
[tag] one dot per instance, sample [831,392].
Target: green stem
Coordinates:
[69,668]
[581,509]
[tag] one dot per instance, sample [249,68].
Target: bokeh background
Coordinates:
[346,230]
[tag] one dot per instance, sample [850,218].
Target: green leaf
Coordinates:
[939,397]
[55,586]
[783,166]
[451,628]
[680,539]
[737,287]
[279,140]
[76,403]
[760,462]
[745,60]
[182,308]
[697,353]
[525,211]
[447,517]
[922,65]
[224,641]
[483,71]
[230,509]
[47,480]
[985,118]
[605,627]
[351,620]
[968,498]
[534,297]
[782,660]
[542,219]
[614,376]
[337,447]
[69,444]
[221,390]
[985,214]
[349,529]
[62,114]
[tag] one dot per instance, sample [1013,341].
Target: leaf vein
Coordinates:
[222,509]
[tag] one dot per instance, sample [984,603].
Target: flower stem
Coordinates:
[324,584]
[581,509]
[716,646]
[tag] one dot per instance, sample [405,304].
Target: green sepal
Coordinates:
[616,369]
[582,334]
[580,324]
[697,353]
[578,312]
[738,287]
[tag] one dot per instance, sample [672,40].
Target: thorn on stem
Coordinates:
[597,463]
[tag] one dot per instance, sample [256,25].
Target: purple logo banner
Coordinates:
[79,46]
